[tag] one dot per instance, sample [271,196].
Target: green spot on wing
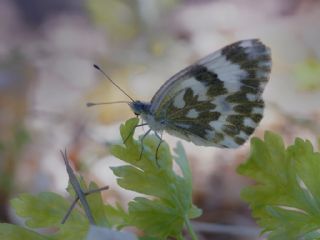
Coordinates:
[205,76]
[231,130]
[209,116]
[243,109]
[239,140]
[237,97]
[256,117]
[218,137]
[249,89]
[216,89]
[236,120]
[247,130]
[251,82]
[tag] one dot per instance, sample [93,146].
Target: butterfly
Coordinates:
[217,101]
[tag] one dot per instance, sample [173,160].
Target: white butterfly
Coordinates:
[214,102]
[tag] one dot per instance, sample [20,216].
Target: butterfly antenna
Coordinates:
[98,68]
[90,104]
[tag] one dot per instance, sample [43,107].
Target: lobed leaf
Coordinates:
[14,232]
[116,215]
[286,197]
[44,210]
[165,214]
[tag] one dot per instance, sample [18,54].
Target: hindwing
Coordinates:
[216,101]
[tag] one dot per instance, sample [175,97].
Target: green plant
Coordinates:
[286,197]
[164,214]
[285,200]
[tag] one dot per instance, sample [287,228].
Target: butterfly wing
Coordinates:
[216,101]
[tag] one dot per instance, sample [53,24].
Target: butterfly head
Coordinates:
[139,108]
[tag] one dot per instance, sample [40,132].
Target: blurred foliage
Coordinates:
[10,149]
[15,78]
[116,17]
[308,75]
[286,198]
[124,19]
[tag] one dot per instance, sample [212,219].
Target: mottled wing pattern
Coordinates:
[216,101]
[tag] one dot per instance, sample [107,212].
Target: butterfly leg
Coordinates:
[158,147]
[142,146]
[132,131]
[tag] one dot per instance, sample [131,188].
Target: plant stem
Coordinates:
[190,229]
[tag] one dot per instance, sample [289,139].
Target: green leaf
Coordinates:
[116,215]
[286,197]
[94,200]
[155,217]
[96,207]
[71,231]
[182,161]
[44,210]
[14,232]
[47,210]
[160,217]
[194,212]
[164,215]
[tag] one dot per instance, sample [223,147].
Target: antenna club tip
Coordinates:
[96,66]
[89,104]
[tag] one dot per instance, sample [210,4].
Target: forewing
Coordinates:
[216,101]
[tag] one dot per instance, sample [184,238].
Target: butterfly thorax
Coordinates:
[143,110]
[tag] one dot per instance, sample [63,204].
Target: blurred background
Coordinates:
[47,49]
